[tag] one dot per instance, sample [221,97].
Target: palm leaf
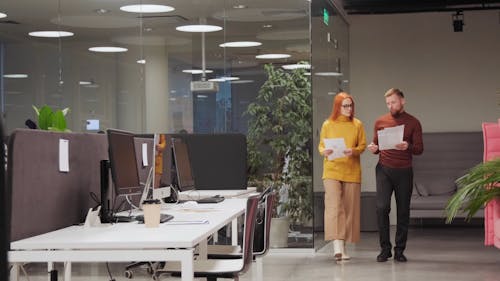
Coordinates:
[476,189]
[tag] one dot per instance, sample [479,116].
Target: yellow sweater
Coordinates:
[346,169]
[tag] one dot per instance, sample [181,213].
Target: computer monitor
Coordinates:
[185,179]
[123,162]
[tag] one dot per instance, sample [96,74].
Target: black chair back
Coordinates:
[263,224]
[248,234]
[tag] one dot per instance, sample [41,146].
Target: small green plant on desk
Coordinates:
[52,120]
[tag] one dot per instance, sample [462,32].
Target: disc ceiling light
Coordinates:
[107,49]
[147,8]
[197,71]
[240,44]
[199,28]
[51,34]
[272,56]
[296,66]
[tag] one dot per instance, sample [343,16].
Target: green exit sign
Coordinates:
[326,16]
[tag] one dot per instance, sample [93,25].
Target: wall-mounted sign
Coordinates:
[326,16]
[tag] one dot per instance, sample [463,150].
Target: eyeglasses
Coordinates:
[348,105]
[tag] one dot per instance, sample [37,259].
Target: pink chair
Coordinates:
[491,134]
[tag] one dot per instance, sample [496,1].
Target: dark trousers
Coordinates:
[399,180]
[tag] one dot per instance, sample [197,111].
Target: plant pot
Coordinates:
[279,232]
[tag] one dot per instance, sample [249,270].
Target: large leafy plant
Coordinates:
[478,187]
[52,120]
[279,139]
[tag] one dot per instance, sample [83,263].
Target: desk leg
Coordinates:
[234,232]
[257,274]
[187,268]
[202,255]
[67,271]
[14,272]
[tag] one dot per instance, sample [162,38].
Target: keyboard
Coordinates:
[213,199]
[163,218]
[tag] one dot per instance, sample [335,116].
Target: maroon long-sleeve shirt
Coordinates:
[393,158]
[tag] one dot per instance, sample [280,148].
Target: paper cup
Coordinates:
[151,214]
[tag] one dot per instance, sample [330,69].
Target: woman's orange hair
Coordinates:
[337,104]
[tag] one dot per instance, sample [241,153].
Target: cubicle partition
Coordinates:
[43,198]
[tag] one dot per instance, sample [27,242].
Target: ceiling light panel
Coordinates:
[16,75]
[2,15]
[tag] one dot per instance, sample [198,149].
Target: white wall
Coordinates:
[451,79]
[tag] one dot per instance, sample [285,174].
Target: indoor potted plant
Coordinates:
[52,120]
[476,189]
[279,141]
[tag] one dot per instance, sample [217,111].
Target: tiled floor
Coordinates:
[434,253]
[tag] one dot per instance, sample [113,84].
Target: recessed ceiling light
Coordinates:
[101,11]
[142,61]
[51,34]
[240,44]
[202,96]
[267,26]
[108,49]
[329,73]
[147,8]
[239,6]
[296,66]
[148,29]
[2,15]
[198,28]
[15,75]
[84,83]
[197,71]
[273,56]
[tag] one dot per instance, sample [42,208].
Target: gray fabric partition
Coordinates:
[44,199]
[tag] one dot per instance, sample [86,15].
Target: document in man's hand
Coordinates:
[337,145]
[388,138]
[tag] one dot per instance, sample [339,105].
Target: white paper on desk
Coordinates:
[388,138]
[145,155]
[63,155]
[337,145]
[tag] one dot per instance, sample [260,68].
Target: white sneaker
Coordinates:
[337,249]
[344,252]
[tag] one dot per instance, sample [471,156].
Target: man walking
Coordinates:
[394,173]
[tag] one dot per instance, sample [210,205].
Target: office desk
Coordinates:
[227,193]
[123,242]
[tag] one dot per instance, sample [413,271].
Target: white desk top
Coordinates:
[134,235]
[227,193]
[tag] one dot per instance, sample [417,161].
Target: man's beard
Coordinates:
[396,113]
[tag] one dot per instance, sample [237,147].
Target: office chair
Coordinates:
[225,268]
[262,240]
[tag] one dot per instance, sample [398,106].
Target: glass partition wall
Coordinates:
[128,65]
[330,75]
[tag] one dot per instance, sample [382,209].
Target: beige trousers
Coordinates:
[342,214]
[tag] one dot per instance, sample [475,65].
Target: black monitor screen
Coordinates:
[185,178]
[123,162]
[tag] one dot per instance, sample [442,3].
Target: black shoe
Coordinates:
[400,257]
[383,256]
